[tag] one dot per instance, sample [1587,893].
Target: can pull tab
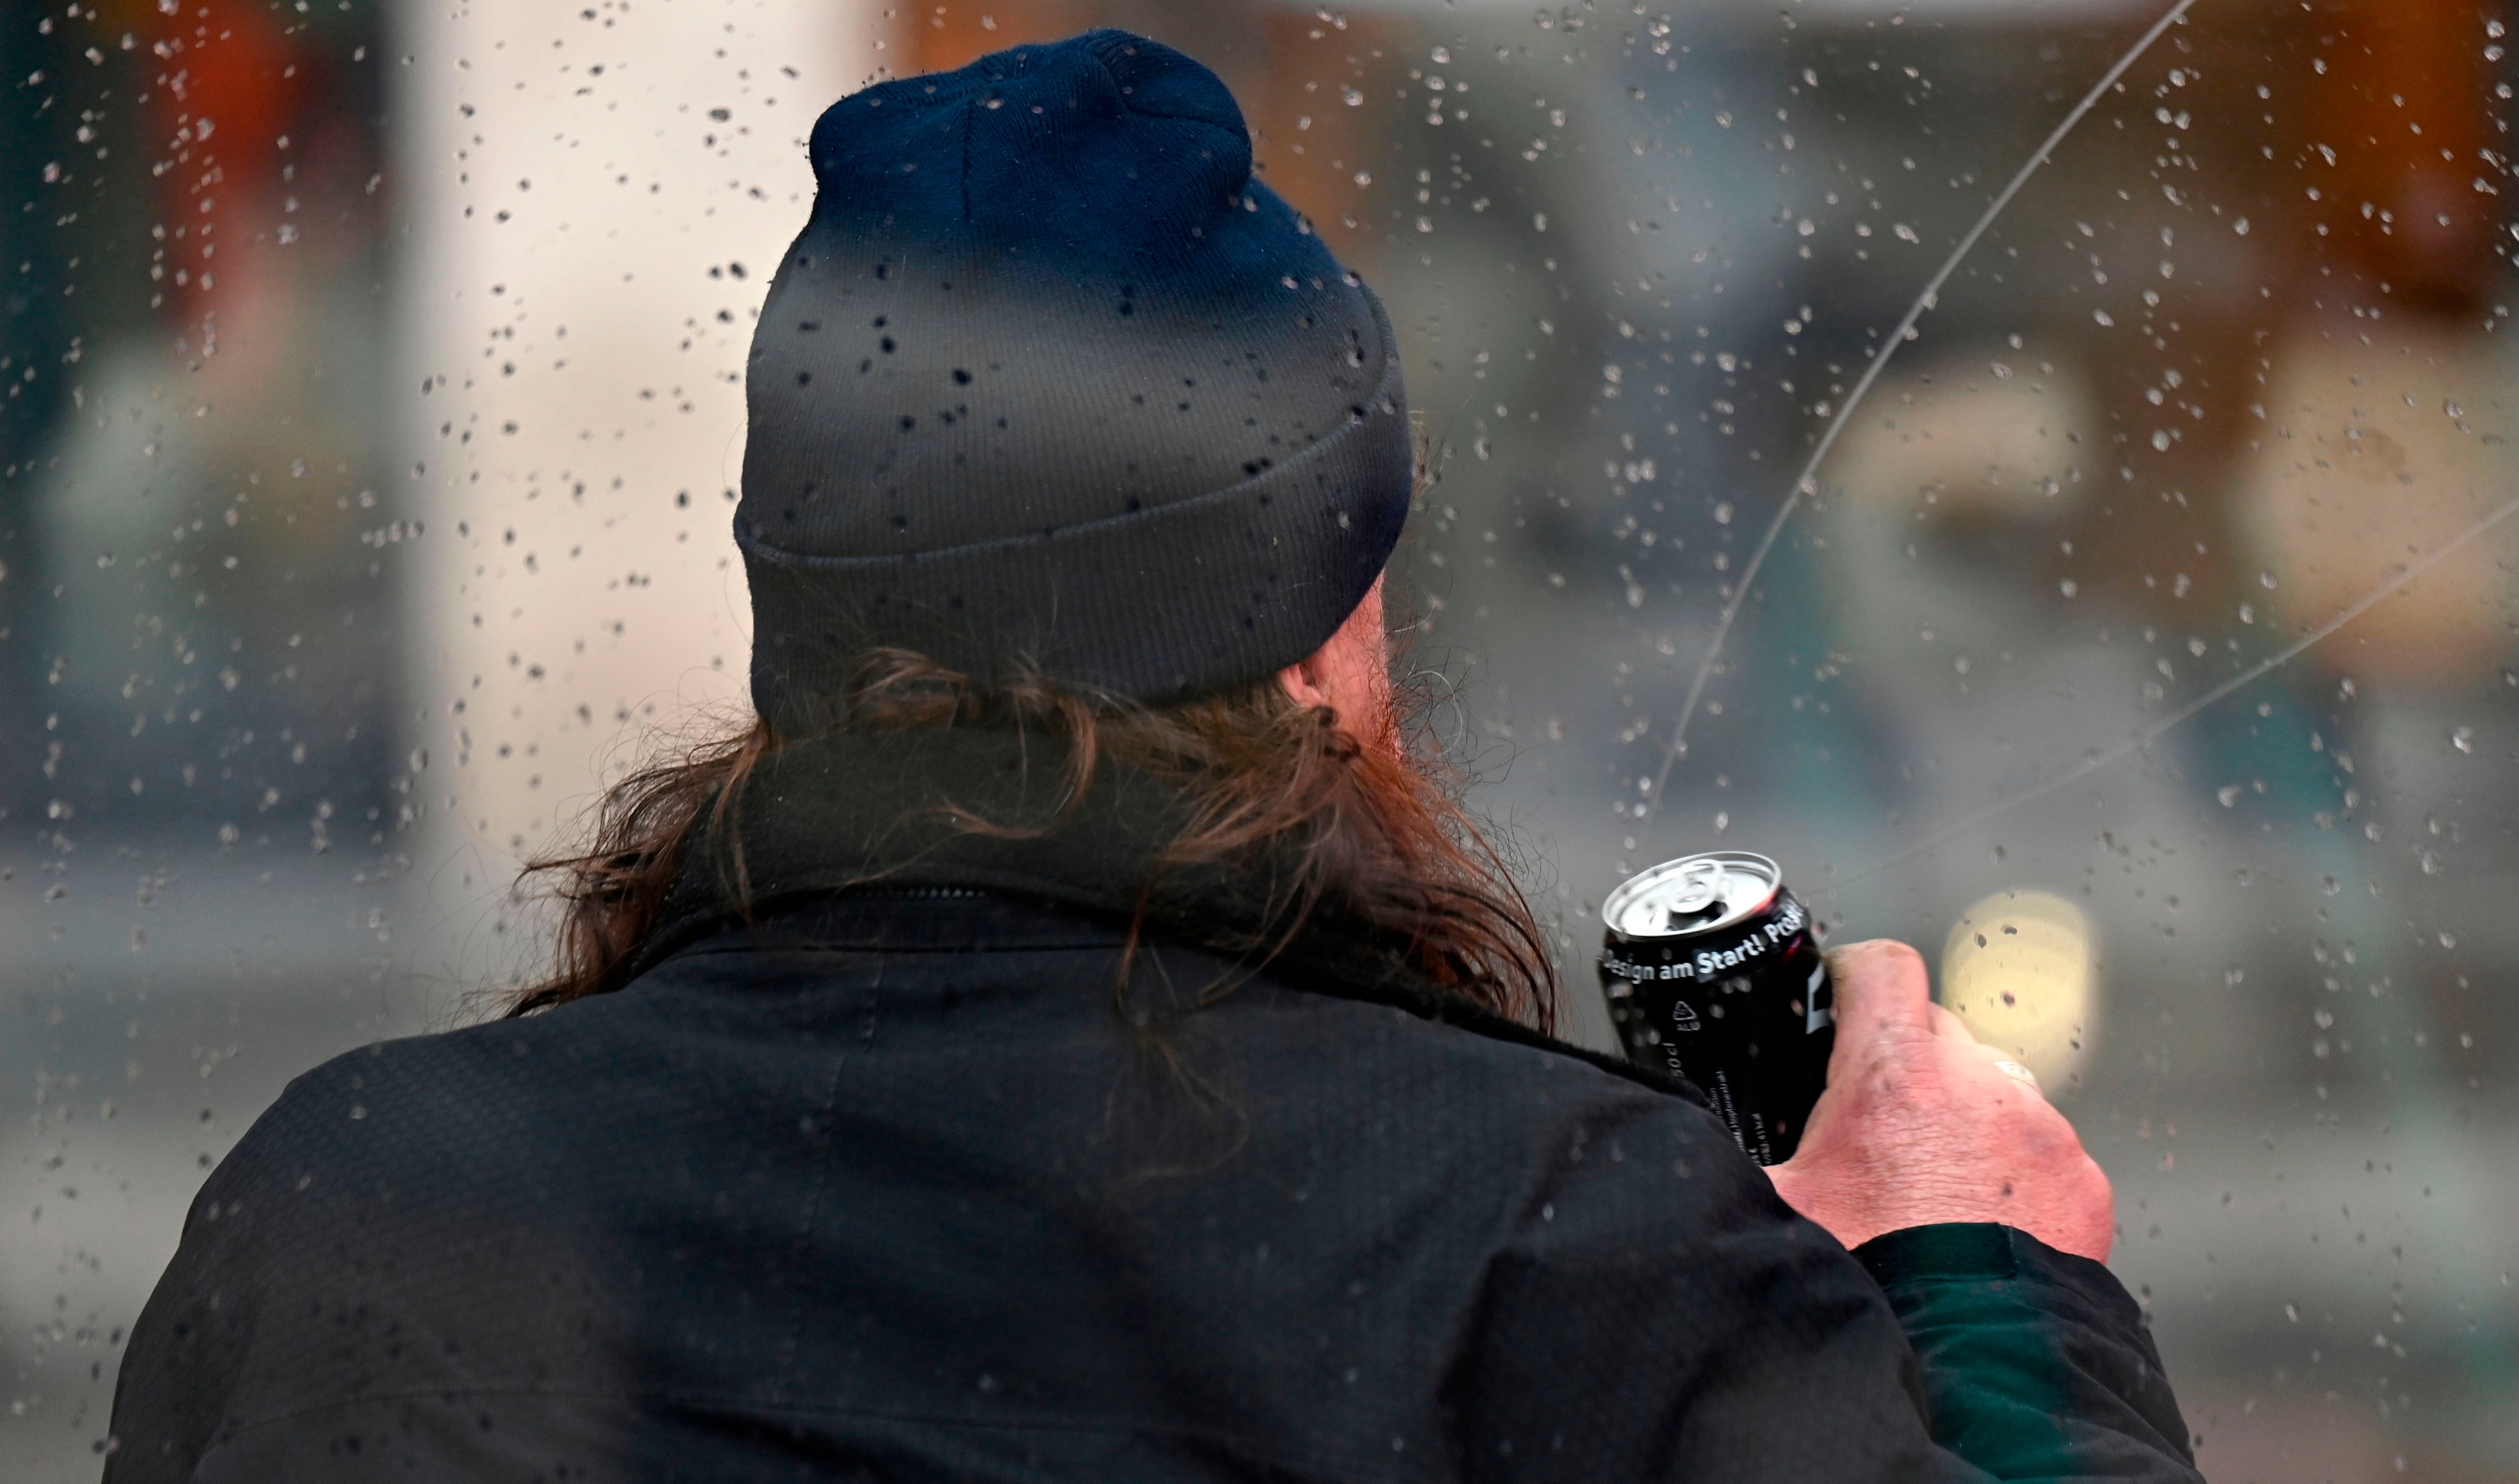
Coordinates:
[1697,899]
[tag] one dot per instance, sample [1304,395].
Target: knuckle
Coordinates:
[1912,1081]
[2041,1117]
[2043,1136]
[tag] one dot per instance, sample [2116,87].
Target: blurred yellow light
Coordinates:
[2020,970]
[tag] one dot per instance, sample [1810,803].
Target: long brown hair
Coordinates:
[1377,833]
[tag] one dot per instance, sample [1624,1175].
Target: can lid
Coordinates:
[1695,894]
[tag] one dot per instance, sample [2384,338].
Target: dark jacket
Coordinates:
[899,1183]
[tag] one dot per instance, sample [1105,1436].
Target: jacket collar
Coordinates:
[892,810]
[897,810]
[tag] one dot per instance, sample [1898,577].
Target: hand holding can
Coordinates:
[1922,1124]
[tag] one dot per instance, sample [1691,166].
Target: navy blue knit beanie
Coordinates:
[1049,383]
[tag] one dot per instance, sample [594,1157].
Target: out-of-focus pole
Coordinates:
[596,196]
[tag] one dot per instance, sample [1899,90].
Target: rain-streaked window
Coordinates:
[2084,552]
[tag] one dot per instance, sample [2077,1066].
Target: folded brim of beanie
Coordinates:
[1161,602]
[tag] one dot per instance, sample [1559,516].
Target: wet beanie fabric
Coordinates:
[1050,384]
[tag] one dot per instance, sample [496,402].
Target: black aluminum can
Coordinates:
[1713,973]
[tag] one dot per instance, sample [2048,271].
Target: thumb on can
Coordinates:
[1881,992]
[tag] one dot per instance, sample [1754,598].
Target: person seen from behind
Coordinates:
[1077,1033]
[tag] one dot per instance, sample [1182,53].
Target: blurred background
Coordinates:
[374,404]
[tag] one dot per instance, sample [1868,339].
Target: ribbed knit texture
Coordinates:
[1050,382]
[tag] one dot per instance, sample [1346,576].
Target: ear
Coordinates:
[1350,674]
[1302,679]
